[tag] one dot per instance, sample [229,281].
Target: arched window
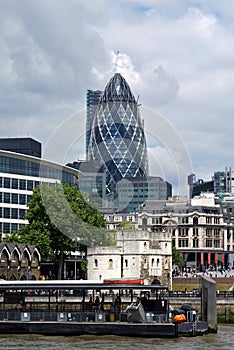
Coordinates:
[144,222]
[110,264]
[95,263]
[195,220]
[152,262]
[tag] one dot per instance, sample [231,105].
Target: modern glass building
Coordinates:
[117,140]
[19,175]
[23,145]
[93,182]
[92,101]
[133,192]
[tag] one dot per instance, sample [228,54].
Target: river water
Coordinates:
[223,340]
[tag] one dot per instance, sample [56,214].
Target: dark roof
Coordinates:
[116,90]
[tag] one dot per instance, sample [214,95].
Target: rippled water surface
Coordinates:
[224,339]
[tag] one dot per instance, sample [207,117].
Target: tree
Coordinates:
[177,259]
[61,218]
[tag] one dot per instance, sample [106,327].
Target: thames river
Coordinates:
[224,339]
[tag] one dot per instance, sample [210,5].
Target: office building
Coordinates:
[22,145]
[197,228]
[93,182]
[134,191]
[117,140]
[92,101]
[19,175]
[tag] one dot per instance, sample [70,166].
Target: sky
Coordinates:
[176,55]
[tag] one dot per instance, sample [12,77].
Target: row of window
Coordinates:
[184,220]
[12,213]
[13,165]
[14,198]
[154,263]
[18,184]
[209,243]
[8,227]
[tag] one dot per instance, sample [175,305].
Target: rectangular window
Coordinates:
[209,232]
[14,227]
[6,227]
[14,198]
[14,184]
[22,184]
[29,185]
[22,199]
[6,213]
[14,213]
[209,243]
[7,182]
[22,213]
[183,243]
[217,243]
[6,197]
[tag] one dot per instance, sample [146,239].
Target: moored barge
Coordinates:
[92,307]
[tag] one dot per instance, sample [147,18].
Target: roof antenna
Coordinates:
[116,62]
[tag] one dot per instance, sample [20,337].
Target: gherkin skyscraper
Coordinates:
[117,140]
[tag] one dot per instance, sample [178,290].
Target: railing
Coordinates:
[197,294]
[73,316]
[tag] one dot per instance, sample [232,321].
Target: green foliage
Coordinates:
[60,218]
[84,264]
[177,259]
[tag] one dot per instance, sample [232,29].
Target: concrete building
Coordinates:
[136,254]
[197,228]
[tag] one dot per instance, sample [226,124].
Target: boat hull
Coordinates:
[91,328]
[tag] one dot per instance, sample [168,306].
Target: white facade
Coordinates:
[136,254]
[197,229]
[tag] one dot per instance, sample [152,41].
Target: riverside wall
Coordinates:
[225,301]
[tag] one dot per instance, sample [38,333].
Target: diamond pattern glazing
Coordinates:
[117,140]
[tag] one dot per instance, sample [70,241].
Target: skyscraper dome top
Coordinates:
[117,89]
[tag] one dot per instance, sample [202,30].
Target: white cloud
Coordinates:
[177,55]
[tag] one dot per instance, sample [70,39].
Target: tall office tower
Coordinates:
[220,183]
[92,100]
[117,140]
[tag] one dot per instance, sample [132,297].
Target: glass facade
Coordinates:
[92,101]
[12,165]
[133,192]
[117,140]
[19,175]
[24,145]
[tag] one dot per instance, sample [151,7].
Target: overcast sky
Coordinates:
[176,55]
